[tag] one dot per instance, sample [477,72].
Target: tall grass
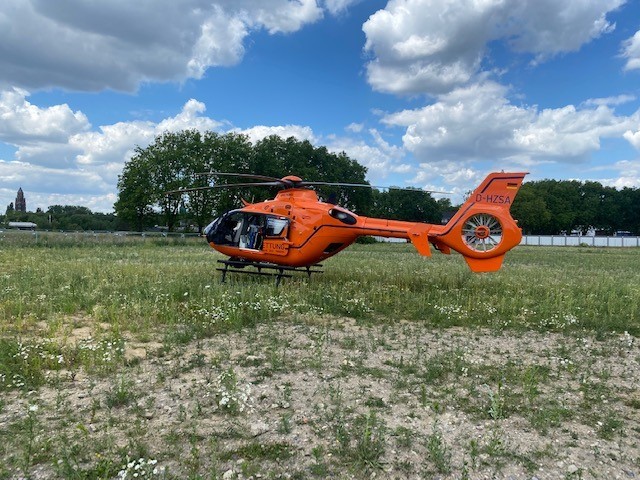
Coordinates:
[140,286]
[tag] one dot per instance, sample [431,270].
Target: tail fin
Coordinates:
[483,229]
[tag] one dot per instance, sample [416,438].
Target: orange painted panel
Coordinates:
[275,247]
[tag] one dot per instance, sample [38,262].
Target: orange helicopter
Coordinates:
[296,229]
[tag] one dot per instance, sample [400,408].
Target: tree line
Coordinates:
[64,217]
[552,207]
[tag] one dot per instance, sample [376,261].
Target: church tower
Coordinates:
[21,203]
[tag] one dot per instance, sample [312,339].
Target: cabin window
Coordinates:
[276,226]
[237,229]
[343,216]
[246,229]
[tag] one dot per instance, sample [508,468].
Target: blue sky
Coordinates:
[429,93]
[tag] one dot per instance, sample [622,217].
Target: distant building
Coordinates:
[23,225]
[21,203]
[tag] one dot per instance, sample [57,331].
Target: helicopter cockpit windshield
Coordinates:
[246,229]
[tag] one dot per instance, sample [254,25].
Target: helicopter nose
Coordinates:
[210,230]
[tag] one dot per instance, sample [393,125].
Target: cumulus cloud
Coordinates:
[189,118]
[612,101]
[479,123]
[379,156]
[339,6]
[622,174]
[435,46]
[284,131]
[61,181]
[354,127]
[91,46]
[631,51]
[458,179]
[23,123]
[111,142]
[633,138]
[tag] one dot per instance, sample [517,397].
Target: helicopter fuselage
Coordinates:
[296,229]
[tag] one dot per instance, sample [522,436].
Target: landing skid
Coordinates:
[272,270]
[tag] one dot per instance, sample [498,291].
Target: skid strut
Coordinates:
[270,269]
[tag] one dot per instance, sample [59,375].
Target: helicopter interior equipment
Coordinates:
[296,231]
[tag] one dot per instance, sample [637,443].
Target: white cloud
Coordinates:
[23,123]
[626,173]
[336,7]
[631,51]
[115,141]
[613,101]
[282,15]
[262,131]
[189,118]
[118,44]
[60,181]
[50,155]
[478,123]
[64,160]
[355,127]
[379,156]
[633,138]
[220,44]
[435,46]
[547,27]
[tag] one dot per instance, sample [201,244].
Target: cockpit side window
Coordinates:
[246,229]
[277,226]
[229,229]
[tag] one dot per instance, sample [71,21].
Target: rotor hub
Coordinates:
[482,232]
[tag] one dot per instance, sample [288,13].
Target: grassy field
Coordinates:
[122,356]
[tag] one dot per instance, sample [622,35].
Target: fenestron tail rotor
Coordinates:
[482,232]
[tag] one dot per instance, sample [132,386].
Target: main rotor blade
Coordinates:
[332,184]
[365,185]
[417,190]
[226,185]
[275,182]
[241,175]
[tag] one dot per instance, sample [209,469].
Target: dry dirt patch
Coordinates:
[332,398]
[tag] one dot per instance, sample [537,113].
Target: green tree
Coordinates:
[552,207]
[530,210]
[412,205]
[135,191]
[228,153]
[278,157]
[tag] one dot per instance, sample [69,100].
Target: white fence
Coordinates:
[571,241]
[561,241]
[533,240]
